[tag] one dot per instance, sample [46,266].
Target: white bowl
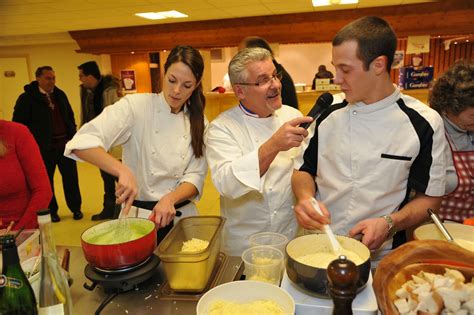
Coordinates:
[244,292]
[458,231]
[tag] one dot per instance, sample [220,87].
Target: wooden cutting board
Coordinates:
[428,255]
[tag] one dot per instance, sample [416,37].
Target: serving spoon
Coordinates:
[440,226]
[335,245]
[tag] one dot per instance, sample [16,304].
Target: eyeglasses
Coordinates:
[265,81]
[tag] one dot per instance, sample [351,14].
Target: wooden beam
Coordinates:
[444,18]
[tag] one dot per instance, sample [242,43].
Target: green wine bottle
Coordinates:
[16,295]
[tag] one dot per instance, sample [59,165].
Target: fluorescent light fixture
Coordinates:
[161,15]
[173,14]
[321,3]
[151,15]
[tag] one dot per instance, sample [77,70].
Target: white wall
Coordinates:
[64,59]
[300,60]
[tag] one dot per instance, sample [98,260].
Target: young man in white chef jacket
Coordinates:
[372,149]
[251,149]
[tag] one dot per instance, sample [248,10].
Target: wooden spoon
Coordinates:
[335,245]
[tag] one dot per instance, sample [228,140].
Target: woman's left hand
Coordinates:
[163,213]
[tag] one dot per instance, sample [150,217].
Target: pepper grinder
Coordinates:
[342,275]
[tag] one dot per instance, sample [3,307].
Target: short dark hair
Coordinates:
[374,37]
[196,102]
[90,68]
[256,42]
[39,71]
[453,92]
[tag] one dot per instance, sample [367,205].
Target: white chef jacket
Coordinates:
[156,145]
[367,155]
[251,203]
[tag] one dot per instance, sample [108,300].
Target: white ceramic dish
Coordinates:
[245,292]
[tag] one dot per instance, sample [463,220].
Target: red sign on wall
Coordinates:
[128,81]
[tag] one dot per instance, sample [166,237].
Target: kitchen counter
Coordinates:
[143,300]
[217,103]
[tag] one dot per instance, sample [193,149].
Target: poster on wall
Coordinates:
[128,81]
[398,59]
[418,44]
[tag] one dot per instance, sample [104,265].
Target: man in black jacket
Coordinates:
[46,111]
[97,92]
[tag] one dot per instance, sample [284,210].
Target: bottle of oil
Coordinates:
[54,295]
[16,295]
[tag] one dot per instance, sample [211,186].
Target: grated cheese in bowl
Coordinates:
[194,245]
[258,307]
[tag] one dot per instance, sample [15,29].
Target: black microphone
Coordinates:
[321,105]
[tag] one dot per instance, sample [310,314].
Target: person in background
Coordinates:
[288,91]
[453,97]
[372,149]
[162,137]
[251,149]
[46,111]
[97,92]
[24,185]
[322,73]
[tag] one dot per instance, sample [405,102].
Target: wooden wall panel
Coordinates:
[438,57]
[138,62]
[446,17]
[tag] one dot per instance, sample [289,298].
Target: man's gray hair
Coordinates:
[238,65]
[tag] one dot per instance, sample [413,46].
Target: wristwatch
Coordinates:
[391,227]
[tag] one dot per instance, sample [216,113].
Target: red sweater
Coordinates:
[24,183]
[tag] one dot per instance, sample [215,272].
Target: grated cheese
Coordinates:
[194,245]
[258,307]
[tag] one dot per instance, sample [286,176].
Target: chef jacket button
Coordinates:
[354,112]
[274,212]
[153,152]
[152,191]
[156,131]
[182,156]
[176,175]
[271,188]
[185,137]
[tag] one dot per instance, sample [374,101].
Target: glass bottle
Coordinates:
[16,295]
[54,295]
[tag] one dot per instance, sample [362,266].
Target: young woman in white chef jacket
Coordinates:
[162,140]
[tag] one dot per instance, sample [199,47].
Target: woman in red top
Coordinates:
[24,184]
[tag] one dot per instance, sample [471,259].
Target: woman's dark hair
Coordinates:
[255,41]
[374,38]
[453,92]
[196,102]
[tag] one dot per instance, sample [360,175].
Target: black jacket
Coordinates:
[32,110]
[288,91]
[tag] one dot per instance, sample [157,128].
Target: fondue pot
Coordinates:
[315,279]
[118,244]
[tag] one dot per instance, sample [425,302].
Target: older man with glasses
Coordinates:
[252,150]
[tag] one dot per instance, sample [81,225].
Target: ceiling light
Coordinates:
[161,15]
[320,3]
[173,14]
[151,15]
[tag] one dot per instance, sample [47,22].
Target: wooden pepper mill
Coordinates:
[342,276]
